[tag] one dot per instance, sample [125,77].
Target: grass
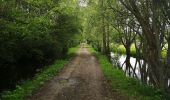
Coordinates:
[126,85]
[71,52]
[120,49]
[29,86]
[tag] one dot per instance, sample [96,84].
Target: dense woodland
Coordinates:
[33,33]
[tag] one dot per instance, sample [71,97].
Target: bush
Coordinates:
[22,56]
[33,34]
[29,86]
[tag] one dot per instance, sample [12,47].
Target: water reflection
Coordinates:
[119,61]
[138,67]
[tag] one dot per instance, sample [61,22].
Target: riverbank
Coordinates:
[126,85]
[120,49]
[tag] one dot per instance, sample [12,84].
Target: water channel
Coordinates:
[136,66]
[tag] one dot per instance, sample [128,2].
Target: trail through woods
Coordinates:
[80,79]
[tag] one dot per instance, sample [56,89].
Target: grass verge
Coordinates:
[126,85]
[29,86]
[72,51]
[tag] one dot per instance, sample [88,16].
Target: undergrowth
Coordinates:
[29,86]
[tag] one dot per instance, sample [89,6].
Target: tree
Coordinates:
[148,14]
[33,33]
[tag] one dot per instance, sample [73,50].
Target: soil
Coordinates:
[81,79]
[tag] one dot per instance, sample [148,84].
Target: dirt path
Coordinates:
[81,79]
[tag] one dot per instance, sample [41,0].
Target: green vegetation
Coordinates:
[164,53]
[33,34]
[71,51]
[126,85]
[120,49]
[36,33]
[144,23]
[27,88]
[117,48]
[31,85]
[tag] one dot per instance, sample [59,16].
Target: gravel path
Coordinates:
[80,79]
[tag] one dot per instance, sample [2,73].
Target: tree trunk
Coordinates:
[108,41]
[103,29]
[127,61]
[167,66]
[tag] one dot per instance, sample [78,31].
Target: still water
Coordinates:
[118,61]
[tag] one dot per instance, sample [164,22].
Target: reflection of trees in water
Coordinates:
[137,70]
[115,61]
[129,70]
